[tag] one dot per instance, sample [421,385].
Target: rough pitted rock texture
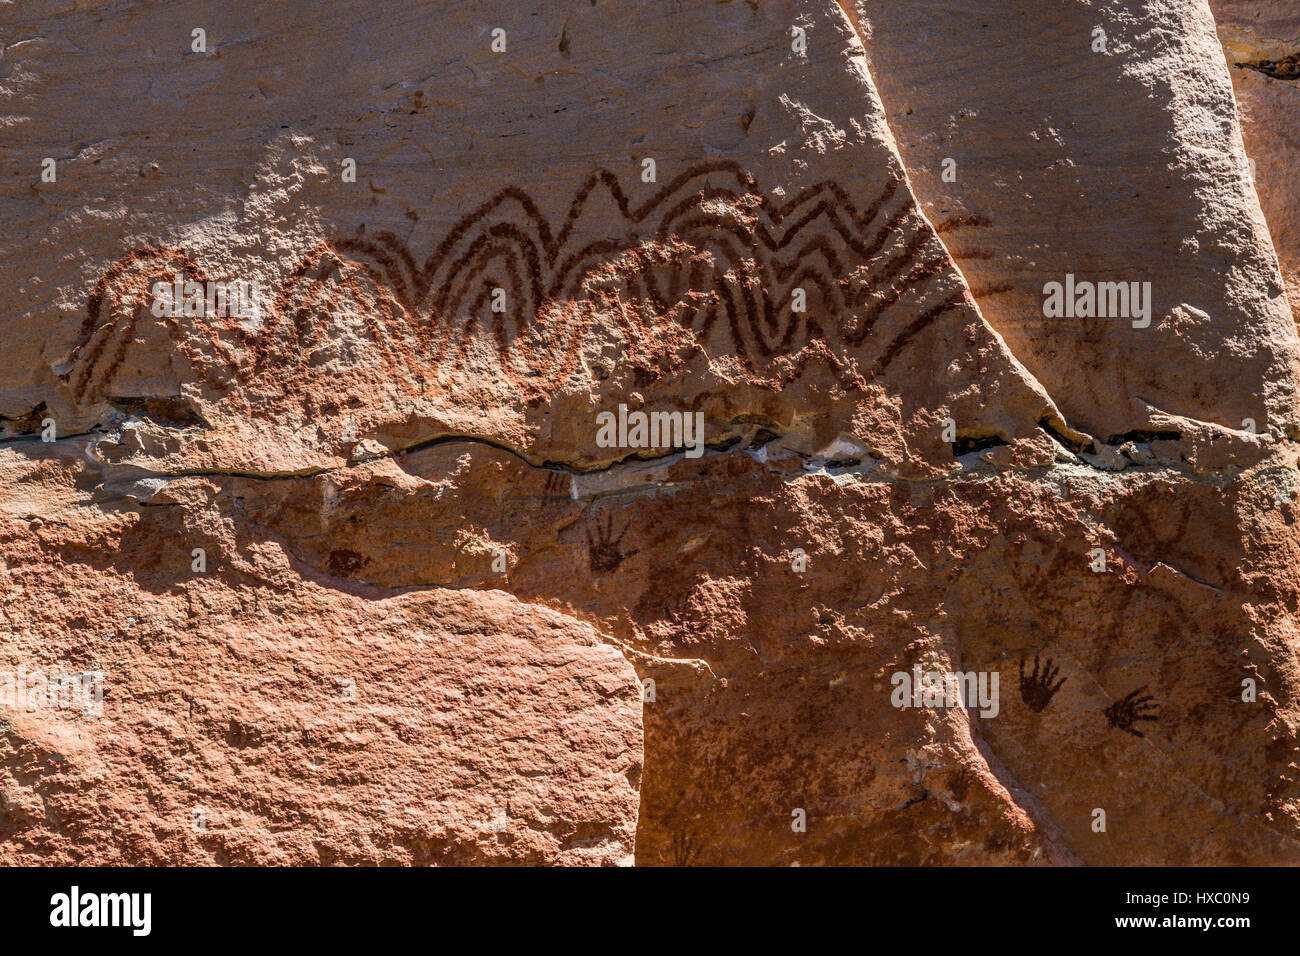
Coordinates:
[365,585]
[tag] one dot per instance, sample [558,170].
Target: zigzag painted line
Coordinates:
[718,267]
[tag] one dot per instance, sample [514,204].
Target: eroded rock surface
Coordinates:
[365,585]
[1261,39]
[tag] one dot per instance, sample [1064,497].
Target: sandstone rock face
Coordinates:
[353,571]
[1112,156]
[1262,43]
[254,714]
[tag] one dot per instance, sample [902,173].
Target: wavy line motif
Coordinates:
[718,271]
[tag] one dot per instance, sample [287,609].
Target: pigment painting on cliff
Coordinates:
[668,435]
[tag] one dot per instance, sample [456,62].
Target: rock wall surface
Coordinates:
[355,574]
[1262,42]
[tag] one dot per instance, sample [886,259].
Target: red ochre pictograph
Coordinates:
[708,262]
